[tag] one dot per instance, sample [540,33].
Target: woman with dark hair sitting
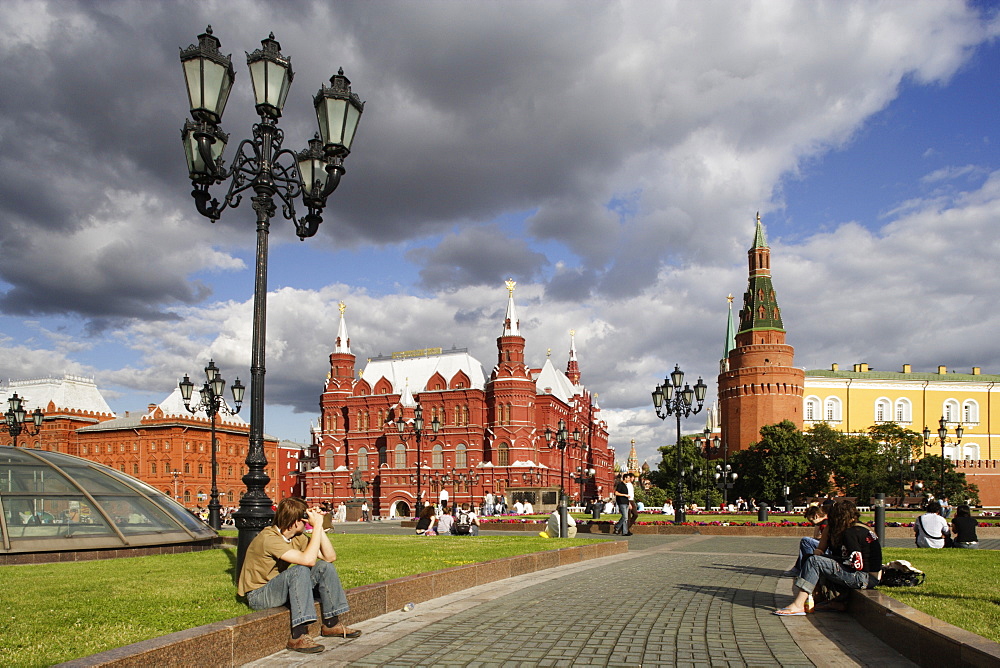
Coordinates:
[856,564]
[426,521]
[964,528]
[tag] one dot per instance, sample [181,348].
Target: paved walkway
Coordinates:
[672,601]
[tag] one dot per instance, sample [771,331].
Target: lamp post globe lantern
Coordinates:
[264,167]
[212,400]
[669,399]
[16,421]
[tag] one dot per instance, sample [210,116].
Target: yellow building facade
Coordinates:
[853,400]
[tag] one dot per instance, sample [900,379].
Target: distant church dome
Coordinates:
[53,502]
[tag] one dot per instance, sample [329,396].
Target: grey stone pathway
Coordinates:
[672,601]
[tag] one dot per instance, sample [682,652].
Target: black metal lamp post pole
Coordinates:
[418,432]
[211,399]
[16,419]
[263,166]
[680,404]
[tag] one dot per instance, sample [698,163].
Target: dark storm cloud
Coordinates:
[476,256]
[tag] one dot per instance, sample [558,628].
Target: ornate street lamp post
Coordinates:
[16,419]
[583,476]
[943,436]
[418,431]
[560,439]
[263,166]
[680,403]
[212,400]
[725,480]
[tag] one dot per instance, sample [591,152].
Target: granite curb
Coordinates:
[925,640]
[234,642]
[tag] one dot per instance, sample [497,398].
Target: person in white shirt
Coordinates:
[518,508]
[528,508]
[930,528]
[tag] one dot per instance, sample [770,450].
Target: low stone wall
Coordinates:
[240,640]
[925,640]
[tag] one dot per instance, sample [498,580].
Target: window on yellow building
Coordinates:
[904,411]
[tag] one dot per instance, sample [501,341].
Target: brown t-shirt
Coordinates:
[263,558]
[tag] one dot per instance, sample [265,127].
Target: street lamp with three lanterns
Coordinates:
[16,419]
[262,166]
[212,400]
[417,429]
[943,436]
[670,399]
[560,439]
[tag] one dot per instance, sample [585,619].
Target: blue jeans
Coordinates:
[296,586]
[806,547]
[817,568]
[622,524]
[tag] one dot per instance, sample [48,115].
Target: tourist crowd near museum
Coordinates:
[501,431]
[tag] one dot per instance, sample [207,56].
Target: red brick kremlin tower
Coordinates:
[758,385]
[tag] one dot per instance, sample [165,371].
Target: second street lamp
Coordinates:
[670,399]
[943,436]
[263,166]
[15,420]
[212,400]
[418,432]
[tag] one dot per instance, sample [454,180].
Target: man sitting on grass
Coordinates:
[282,566]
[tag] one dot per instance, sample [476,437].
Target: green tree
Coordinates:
[693,465]
[652,497]
[780,459]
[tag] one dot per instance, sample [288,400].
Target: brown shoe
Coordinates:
[340,631]
[304,644]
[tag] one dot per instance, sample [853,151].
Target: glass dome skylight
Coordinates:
[50,501]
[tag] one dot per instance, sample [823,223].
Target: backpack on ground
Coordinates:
[463,524]
[901,573]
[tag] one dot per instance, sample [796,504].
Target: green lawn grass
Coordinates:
[58,612]
[960,587]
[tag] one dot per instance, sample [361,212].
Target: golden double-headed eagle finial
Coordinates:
[510,285]
[343,307]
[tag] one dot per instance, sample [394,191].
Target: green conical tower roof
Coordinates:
[760,307]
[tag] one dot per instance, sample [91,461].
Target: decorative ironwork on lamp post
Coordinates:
[560,439]
[212,400]
[263,166]
[16,420]
[582,477]
[943,436]
[417,429]
[670,399]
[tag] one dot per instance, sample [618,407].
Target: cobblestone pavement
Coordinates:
[672,601]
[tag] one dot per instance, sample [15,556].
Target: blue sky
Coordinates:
[611,157]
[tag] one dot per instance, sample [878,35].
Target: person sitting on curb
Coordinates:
[552,526]
[857,565]
[283,566]
[808,544]
[930,528]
